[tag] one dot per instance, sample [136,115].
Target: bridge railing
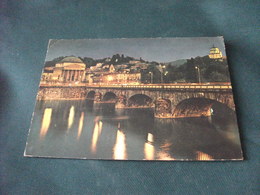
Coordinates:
[144,86]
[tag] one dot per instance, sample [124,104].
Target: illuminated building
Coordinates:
[113,75]
[215,54]
[69,69]
[122,78]
[73,70]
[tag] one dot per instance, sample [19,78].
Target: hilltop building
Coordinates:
[215,54]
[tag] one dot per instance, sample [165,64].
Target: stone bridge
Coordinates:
[168,100]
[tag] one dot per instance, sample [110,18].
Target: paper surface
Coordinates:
[135,99]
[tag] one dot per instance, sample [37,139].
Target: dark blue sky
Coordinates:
[151,49]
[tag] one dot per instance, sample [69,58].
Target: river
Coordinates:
[81,129]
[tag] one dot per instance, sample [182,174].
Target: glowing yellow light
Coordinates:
[120,147]
[150,137]
[96,133]
[46,120]
[80,124]
[148,151]
[109,78]
[94,138]
[100,127]
[203,156]
[71,117]
[164,156]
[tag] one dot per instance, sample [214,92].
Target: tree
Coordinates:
[190,71]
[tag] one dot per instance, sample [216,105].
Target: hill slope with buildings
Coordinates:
[209,68]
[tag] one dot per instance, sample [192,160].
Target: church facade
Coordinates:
[69,69]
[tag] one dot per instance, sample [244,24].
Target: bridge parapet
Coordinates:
[220,86]
[172,94]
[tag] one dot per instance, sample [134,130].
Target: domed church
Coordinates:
[69,69]
[215,54]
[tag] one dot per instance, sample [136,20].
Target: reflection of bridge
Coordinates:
[169,100]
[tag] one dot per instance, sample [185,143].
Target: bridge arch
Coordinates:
[94,95]
[140,100]
[109,96]
[198,107]
[91,94]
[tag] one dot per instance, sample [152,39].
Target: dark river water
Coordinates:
[81,129]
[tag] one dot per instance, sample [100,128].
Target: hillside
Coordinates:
[177,62]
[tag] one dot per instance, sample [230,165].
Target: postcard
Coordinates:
[161,99]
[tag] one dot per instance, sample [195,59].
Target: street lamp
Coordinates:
[151,77]
[162,70]
[198,69]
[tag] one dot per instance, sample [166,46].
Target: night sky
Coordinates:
[150,49]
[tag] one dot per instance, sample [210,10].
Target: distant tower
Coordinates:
[215,54]
[112,68]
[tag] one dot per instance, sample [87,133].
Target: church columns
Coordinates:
[82,75]
[72,75]
[76,75]
[67,76]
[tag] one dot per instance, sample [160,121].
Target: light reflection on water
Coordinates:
[119,150]
[163,153]
[101,132]
[150,137]
[203,156]
[96,133]
[149,147]
[71,116]
[80,124]
[164,156]
[46,120]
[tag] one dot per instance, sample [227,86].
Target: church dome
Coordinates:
[215,53]
[71,59]
[214,50]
